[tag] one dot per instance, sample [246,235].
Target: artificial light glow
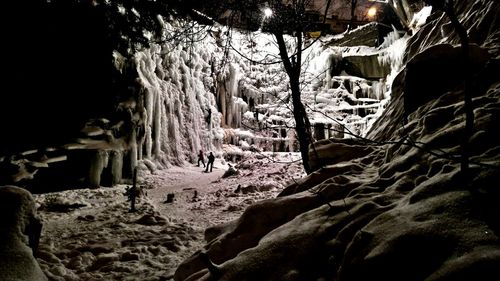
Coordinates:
[268,12]
[372,12]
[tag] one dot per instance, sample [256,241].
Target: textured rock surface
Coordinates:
[17,209]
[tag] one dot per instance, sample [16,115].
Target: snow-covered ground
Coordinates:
[97,238]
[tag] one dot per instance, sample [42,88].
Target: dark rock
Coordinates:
[437,70]
[367,66]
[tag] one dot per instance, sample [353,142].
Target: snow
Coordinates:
[102,240]
[420,18]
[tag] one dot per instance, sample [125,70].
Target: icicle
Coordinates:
[99,161]
[377,89]
[394,48]
[133,152]
[116,159]
[156,125]
[292,141]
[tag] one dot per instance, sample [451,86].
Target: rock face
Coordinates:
[400,211]
[368,35]
[437,70]
[16,258]
[367,67]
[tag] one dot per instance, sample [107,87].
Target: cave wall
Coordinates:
[57,73]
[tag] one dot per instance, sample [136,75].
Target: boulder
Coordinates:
[333,151]
[18,215]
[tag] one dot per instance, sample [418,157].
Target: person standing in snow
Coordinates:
[211,159]
[201,158]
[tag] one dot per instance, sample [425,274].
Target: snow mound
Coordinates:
[16,258]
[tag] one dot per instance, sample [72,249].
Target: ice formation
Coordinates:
[199,96]
[224,90]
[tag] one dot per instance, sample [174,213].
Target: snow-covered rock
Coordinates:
[18,210]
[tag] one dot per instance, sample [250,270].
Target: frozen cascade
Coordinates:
[189,96]
[357,101]
[175,101]
[116,159]
[229,100]
[228,96]
[394,47]
[204,95]
[100,160]
[106,168]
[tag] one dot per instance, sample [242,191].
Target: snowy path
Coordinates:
[104,241]
[183,182]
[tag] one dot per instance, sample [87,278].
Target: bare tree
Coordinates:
[353,14]
[292,64]
[289,18]
[292,18]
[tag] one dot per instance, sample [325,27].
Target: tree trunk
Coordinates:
[354,3]
[302,124]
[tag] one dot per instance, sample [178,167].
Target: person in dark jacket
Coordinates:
[201,158]
[211,159]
